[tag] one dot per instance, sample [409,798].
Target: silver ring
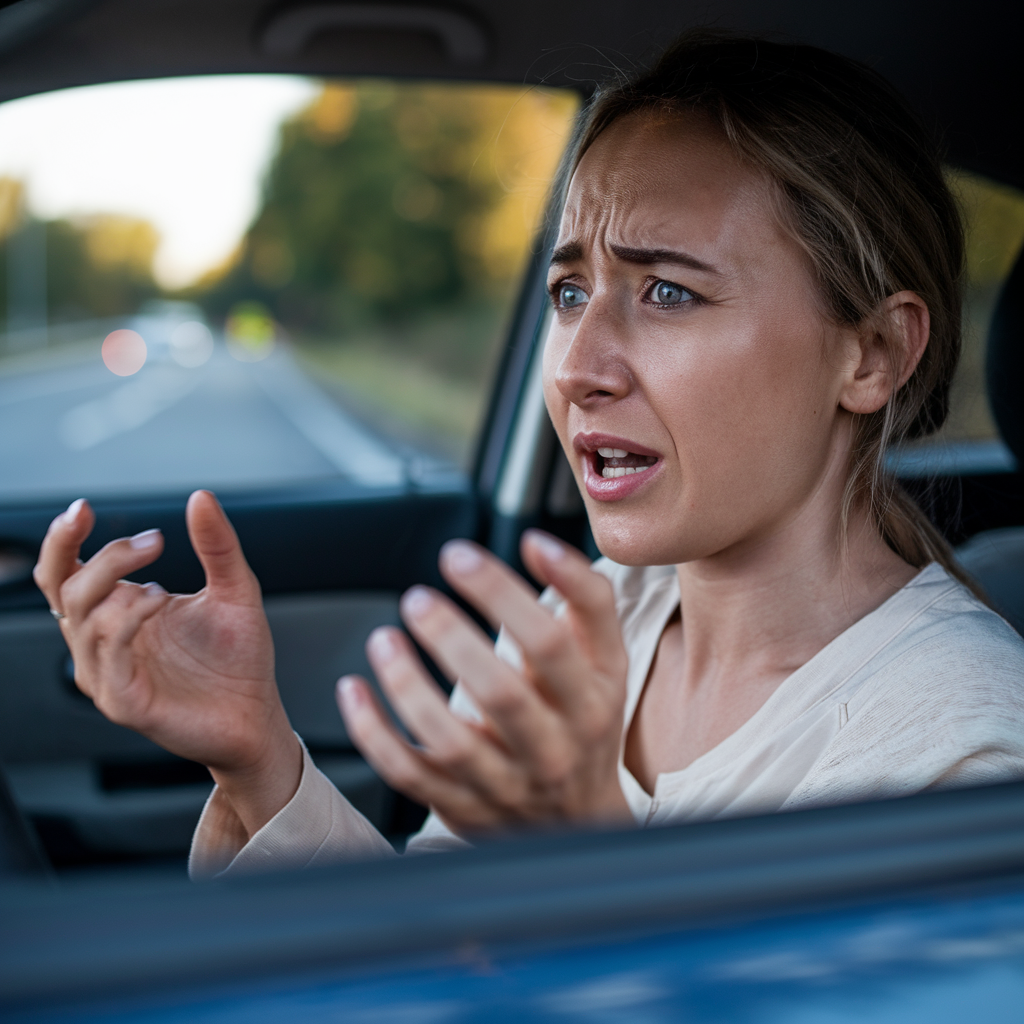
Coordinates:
[56,614]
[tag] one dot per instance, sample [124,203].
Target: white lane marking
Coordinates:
[28,387]
[344,442]
[125,408]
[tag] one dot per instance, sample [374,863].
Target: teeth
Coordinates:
[610,472]
[612,453]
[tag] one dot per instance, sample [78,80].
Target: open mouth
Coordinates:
[615,467]
[615,462]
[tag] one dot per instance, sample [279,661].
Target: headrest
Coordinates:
[1004,367]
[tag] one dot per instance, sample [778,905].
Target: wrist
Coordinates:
[262,788]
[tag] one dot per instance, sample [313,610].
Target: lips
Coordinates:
[615,467]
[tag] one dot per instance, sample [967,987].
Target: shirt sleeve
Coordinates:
[435,837]
[318,826]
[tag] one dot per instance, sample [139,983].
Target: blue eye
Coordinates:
[665,293]
[570,295]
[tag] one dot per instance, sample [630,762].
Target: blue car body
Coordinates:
[910,910]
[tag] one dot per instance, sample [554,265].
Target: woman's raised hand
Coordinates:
[193,672]
[546,749]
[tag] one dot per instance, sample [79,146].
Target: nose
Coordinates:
[591,369]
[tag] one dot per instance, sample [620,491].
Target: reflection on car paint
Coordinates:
[896,964]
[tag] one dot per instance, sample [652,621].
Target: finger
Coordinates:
[589,595]
[58,555]
[102,650]
[390,756]
[513,708]
[450,742]
[95,580]
[548,645]
[216,544]
[117,620]
[484,580]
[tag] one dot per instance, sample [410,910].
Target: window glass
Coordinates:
[255,281]
[994,218]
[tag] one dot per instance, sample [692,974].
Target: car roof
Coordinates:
[957,63]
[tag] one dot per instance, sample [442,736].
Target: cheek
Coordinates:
[557,405]
[745,400]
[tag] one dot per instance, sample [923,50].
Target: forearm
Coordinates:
[260,790]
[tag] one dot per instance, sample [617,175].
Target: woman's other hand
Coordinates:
[192,672]
[547,747]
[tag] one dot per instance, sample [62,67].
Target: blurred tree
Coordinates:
[95,266]
[994,217]
[387,201]
[12,204]
[99,266]
[994,222]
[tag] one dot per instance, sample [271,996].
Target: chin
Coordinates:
[657,540]
[635,546]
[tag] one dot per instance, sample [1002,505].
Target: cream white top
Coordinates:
[925,692]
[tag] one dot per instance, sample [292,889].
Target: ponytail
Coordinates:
[910,533]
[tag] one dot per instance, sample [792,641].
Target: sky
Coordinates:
[186,154]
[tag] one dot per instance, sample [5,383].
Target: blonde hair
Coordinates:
[863,193]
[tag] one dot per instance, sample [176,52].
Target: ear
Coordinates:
[904,319]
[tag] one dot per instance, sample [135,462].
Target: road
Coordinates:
[76,429]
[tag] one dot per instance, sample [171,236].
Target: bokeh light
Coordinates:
[124,352]
[191,344]
[250,332]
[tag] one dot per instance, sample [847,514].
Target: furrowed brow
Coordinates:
[568,253]
[646,257]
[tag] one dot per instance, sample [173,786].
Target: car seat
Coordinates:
[995,558]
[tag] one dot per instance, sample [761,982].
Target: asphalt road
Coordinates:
[77,429]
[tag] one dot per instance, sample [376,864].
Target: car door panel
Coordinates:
[93,787]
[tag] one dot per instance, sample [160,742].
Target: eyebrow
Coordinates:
[568,253]
[572,251]
[648,256]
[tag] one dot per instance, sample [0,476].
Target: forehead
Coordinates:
[650,175]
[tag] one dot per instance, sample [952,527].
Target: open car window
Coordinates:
[257,282]
[293,291]
[969,442]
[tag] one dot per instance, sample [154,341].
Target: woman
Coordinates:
[756,292]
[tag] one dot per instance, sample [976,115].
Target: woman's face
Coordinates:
[689,372]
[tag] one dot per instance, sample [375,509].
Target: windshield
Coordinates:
[251,282]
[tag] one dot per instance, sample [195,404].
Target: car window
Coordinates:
[251,282]
[994,218]
[969,441]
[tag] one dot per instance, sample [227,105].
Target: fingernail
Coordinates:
[146,539]
[155,589]
[416,602]
[73,509]
[349,693]
[548,546]
[461,558]
[382,645]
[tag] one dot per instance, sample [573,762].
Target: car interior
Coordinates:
[302,403]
